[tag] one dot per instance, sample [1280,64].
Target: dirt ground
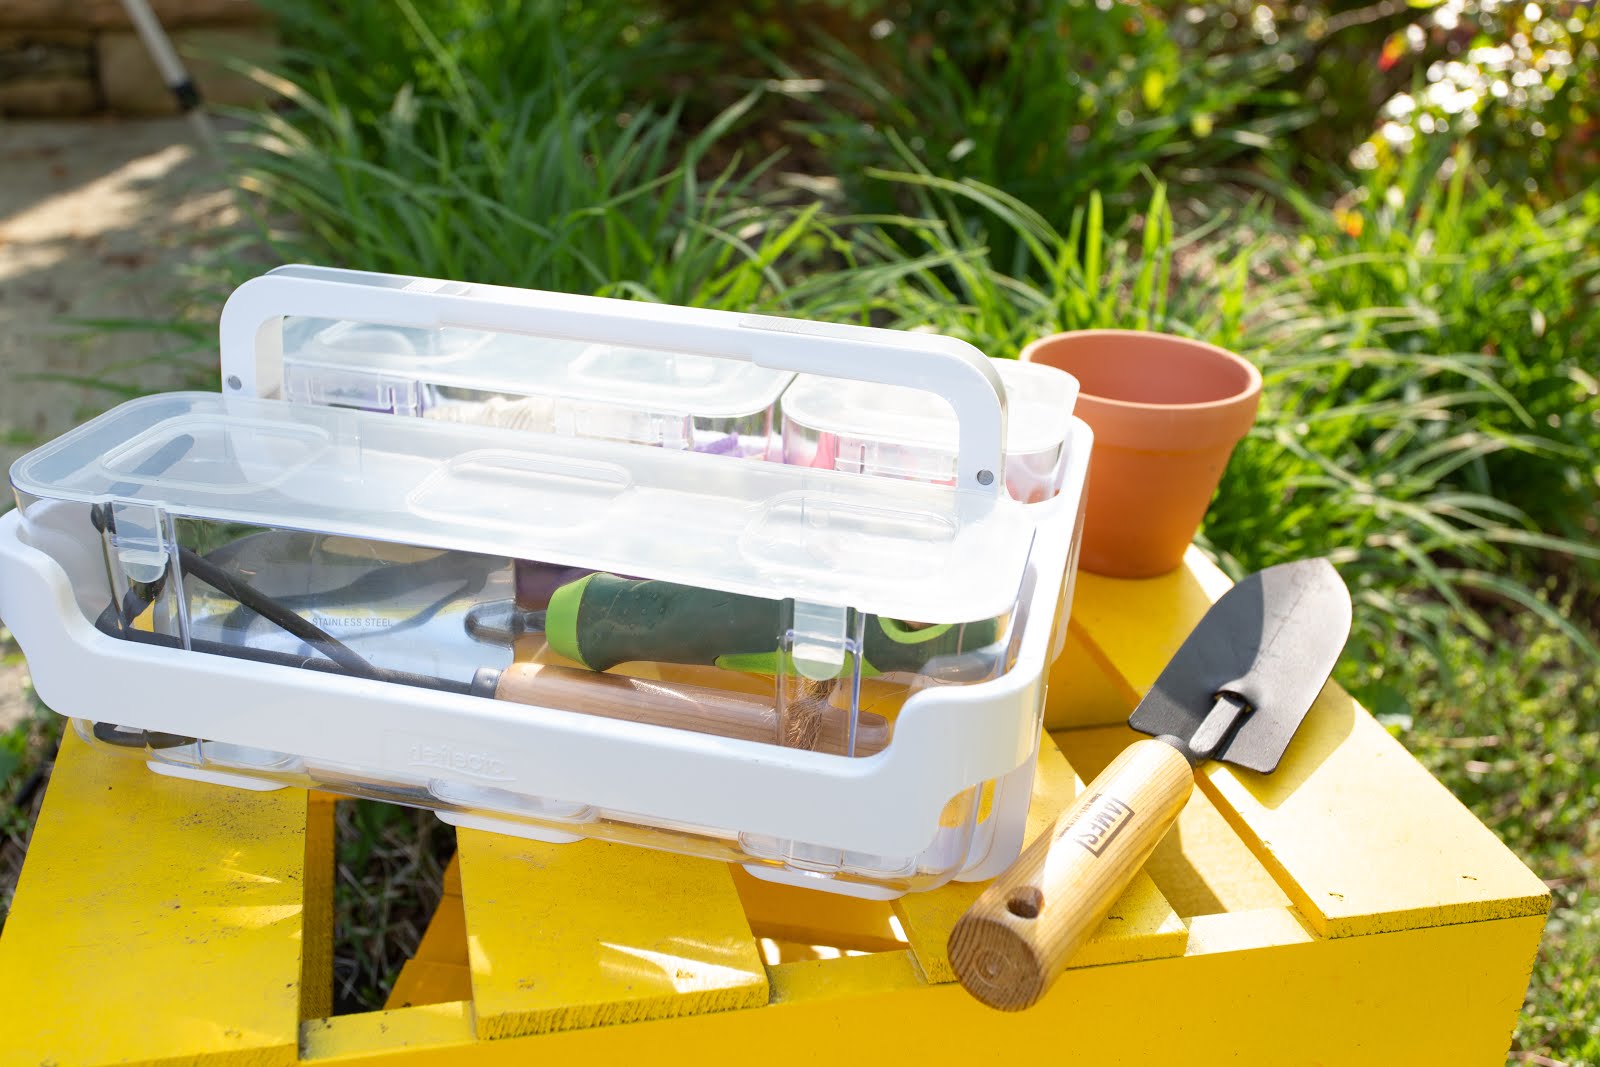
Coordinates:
[99,219]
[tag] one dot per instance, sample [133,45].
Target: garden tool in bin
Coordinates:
[342,603]
[602,620]
[1236,692]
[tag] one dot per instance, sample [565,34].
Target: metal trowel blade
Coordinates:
[1271,640]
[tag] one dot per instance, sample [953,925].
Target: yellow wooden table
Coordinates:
[1345,910]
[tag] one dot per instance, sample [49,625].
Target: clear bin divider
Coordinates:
[142,568]
[819,655]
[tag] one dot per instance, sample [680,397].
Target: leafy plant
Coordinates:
[1518,82]
[544,184]
[939,267]
[366,53]
[1048,100]
[1426,256]
[1512,727]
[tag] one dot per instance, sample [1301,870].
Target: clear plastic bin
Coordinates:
[243,531]
[898,432]
[835,680]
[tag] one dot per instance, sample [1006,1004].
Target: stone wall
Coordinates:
[81,57]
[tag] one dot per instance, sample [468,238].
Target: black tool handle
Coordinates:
[602,620]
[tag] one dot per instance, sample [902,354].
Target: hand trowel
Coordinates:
[1236,691]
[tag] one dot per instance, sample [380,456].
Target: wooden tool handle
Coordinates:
[1019,935]
[684,707]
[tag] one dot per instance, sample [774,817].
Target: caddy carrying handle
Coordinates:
[1020,934]
[252,341]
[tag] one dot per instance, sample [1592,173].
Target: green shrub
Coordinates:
[366,53]
[545,180]
[1048,100]
[1429,257]
[1519,82]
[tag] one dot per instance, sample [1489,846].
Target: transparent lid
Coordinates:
[900,549]
[482,361]
[1039,402]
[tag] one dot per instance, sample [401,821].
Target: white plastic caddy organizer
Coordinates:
[833,678]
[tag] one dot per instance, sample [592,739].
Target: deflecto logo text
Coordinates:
[461,761]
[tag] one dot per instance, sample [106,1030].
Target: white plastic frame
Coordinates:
[252,341]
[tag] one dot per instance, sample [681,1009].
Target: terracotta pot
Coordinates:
[1166,413]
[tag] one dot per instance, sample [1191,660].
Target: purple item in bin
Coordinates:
[726,445]
[537,582]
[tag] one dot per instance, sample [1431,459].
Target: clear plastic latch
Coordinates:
[820,643]
[138,544]
[819,677]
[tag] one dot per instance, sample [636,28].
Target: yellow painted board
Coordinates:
[445,939]
[437,971]
[818,981]
[1140,624]
[1202,866]
[446,1025]
[421,982]
[1346,788]
[807,917]
[592,934]
[1445,995]
[1355,830]
[1142,925]
[1084,690]
[156,920]
[316,960]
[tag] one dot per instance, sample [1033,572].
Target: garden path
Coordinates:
[98,220]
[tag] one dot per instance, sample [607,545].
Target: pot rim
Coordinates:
[1252,372]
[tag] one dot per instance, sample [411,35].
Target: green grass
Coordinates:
[388,876]
[1048,101]
[1462,268]
[1512,726]
[517,162]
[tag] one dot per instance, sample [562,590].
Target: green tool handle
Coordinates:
[601,620]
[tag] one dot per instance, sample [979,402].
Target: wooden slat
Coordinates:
[155,920]
[1345,789]
[807,917]
[452,877]
[590,934]
[424,982]
[1084,690]
[445,940]
[392,1033]
[1446,995]
[316,960]
[1142,925]
[438,972]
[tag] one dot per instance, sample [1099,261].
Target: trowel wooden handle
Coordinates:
[683,707]
[1019,935]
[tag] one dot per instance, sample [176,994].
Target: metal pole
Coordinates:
[173,73]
